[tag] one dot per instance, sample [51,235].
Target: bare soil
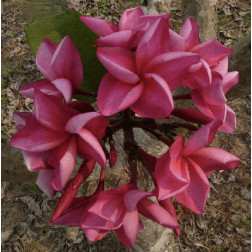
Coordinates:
[225,224]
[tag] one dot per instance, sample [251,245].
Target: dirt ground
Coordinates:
[225,224]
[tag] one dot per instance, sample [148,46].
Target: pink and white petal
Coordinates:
[119,62]
[177,43]
[156,100]
[212,51]
[76,123]
[97,25]
[154,42]
[127,233]
[171,171]
[132,197]
[195,196]
[44,57]
[222,67]
[155,212]
[203,137]
[89,146]
[213,159]
[50,111]
[37,138]
[116,39]
[20,119]
[172,66]
[35,161]
[66,62]
[229,80]
[65,87]
[43,85]
[63,160]
[129,18]
[44,182]
[229,123]
[190,33]
[94,234]
[201,78]
[115,95]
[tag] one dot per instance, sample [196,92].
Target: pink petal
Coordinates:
[154,42]
[155,212]
[89,146]
[65,87]
[153,18]
[114,27]
[97,126]
[212,51]
[43,85]
[94,234]
[177,43]
[115,96]
[44,182]
[50,111]
[229,80]
[97,25]
[20,119]
[222,66]
[63,160]
[213,159]
[129,18]
[171,171]
[190,33]
[76,123]
[116,39]
[195,196]
[156,100]
[37,138]
[229,123]
[172,66]
[200,78]
[203,137]
[132,197]
[119,62]
[127,233]
[36,160]
[44,57]
[66,62]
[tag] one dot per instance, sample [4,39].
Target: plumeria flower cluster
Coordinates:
[145,61]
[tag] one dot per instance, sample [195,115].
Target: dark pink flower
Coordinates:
[62,68]
[57,133]
[182,171]
[143,81]
[133,24]
[116,210]
[211,52]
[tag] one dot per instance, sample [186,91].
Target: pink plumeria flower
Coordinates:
[62,68]
[211,52]
[143,81]
[211,100]
[60,132]
[182,171]
[116,210]
[133,24]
